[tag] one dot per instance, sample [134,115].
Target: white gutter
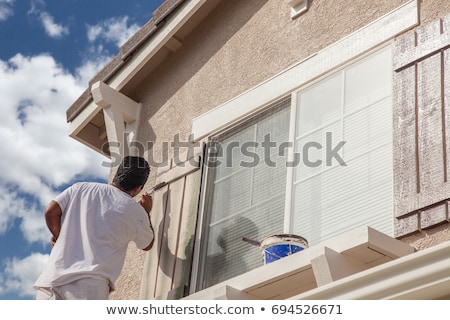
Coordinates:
[423,275]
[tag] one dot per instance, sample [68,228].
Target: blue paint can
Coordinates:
[282,245]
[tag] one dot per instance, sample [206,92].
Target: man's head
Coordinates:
[133,172]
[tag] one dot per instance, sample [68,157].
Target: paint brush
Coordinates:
[157,187]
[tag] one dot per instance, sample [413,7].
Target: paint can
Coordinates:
[281,245]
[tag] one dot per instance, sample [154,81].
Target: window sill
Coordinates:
[317,266]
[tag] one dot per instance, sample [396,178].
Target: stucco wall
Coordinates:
[239,45]
[431,10]
[429,238]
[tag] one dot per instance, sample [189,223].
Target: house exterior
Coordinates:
[324,119]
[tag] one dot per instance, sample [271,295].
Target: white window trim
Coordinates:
[374,34]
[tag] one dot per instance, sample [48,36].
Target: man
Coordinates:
[92,225]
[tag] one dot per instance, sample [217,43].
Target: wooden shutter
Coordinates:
[167,265]
[421,132]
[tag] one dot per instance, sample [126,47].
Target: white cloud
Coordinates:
[20,275]
[37,154]
[95,59]
[52,29]
[114,30]
[6,9]
[32,224]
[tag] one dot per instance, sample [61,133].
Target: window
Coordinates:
[245,194]
[349,112]
[339,175]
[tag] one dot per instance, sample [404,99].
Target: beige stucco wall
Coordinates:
[239,45]
[431,10]
[429,238]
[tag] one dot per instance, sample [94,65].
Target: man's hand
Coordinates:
[147,202]
[52,241]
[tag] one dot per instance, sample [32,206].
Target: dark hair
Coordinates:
[132,172]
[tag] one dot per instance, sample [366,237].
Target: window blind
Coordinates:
[353,106]
[246,194]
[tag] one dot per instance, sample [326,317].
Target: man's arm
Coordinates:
[147,203]
[150,245]
[53,216]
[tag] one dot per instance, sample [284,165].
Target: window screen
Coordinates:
[245,194]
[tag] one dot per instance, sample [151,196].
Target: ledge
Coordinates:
[312,268]
[424,275]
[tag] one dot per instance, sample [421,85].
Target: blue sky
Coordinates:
[49,50]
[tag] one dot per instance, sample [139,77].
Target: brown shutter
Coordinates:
[167,265]
[421,131]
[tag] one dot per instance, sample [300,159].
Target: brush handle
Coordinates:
[251,241]
[157,187]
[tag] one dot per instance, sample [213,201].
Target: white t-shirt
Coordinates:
[99,221]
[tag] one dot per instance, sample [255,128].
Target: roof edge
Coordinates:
[125,53]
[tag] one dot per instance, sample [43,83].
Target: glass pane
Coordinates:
[246,195]
[229,153]
[320,103]
[368,81]
[367,128]
[312,148]
[345,198]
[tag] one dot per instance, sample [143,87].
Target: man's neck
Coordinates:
[122,189]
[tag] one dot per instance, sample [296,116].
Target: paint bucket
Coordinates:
[282,245]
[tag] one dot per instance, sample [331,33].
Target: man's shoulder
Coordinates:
[86,187]
[89,184]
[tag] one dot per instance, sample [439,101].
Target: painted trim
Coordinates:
[121,117]
[381,30]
